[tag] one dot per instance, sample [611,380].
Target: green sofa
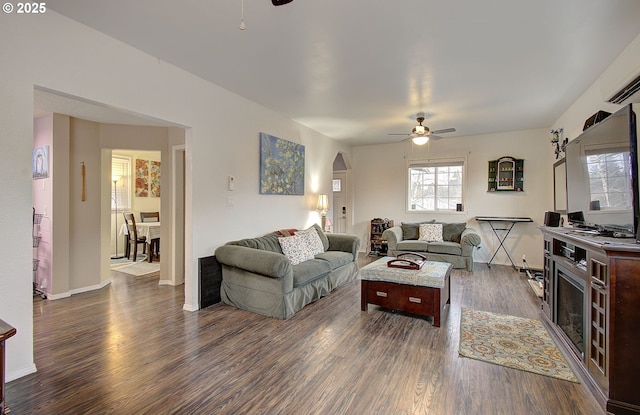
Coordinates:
[258,277]
[456,247]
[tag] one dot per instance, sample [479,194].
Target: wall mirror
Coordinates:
[560,187]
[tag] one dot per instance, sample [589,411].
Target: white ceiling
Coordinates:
[357,70]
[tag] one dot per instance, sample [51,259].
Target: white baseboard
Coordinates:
[78,291]
[20,373]
[190,307]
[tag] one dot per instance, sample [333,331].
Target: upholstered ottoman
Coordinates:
[424,292]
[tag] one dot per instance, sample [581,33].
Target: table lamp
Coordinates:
[323,206]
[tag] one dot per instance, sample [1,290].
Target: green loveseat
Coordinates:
[456,247]
[258,277]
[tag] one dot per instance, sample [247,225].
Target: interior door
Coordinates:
[340,201]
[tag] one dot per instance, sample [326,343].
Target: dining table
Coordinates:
[148,230]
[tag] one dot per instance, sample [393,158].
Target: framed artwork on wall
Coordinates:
[40,162]
[281,166]
[154,179]
[142,178]
[147,178]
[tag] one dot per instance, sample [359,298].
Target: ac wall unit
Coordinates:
[620,83]
[629,93]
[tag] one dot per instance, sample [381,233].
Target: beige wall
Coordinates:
[73,253]
[381,171]
[381,188]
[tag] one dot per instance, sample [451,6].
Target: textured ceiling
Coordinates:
[357,70]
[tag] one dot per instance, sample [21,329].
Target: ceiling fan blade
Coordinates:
[398,134]
[446,130]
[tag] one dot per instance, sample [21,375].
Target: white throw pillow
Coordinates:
[295,248]
[312,239]
[431,232]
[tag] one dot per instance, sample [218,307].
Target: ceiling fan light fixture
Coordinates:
[420,140]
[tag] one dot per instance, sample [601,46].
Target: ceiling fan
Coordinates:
[421,134]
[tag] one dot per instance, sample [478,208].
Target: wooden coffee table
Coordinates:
[424,292]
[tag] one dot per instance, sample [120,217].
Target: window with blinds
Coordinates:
[121,189]
[435,185]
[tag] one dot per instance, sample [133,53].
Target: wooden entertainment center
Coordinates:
[591,301]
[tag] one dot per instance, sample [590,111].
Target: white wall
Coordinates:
[623,69]
[381,188]
[220,141]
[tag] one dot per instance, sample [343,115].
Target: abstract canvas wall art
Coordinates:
[281,166]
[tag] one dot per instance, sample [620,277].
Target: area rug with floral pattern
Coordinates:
[515,342]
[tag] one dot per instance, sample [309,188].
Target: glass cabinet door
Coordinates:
[506,173]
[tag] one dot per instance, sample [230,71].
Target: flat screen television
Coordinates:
[602,175]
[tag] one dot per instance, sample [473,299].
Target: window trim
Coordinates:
[445,161]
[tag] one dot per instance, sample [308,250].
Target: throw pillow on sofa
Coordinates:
[312,239]
[412,230]
[295,248]
[431,232]
[452,231]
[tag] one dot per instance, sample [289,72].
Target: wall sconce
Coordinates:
[323,206]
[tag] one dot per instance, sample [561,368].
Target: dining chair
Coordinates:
[132,237]
[154,245]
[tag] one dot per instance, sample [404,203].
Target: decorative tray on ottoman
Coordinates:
[407,260]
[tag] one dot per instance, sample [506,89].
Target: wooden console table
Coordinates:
[508,223]
[6,331]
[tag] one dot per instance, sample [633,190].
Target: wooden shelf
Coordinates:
[378,246]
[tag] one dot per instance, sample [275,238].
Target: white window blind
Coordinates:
[121,192]
[435,185]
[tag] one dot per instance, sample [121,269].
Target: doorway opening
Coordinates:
[342,201]
[82,134]
[136,190]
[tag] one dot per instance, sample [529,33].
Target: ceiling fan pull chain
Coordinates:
[242,25]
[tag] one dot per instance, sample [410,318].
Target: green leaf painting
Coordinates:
[281,166]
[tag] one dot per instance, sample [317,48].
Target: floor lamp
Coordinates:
[115,200]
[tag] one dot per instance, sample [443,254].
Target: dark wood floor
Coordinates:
[130,349]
